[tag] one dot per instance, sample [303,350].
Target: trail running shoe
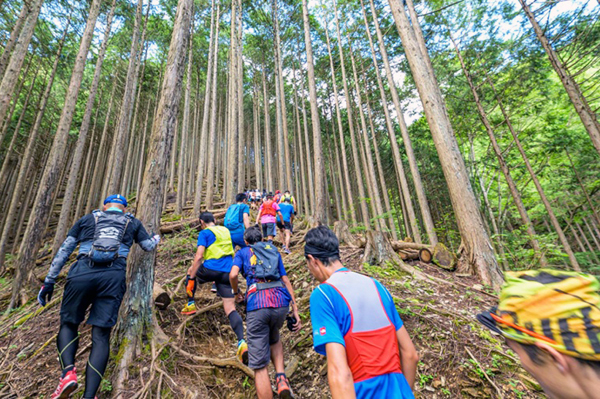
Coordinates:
[242,352]
[66,385]
[287,250]
[189,309]
[213,288]
[284,391]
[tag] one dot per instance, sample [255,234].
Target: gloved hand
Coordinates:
[45,294]
[190,286]
[156,238]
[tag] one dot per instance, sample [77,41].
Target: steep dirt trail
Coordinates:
[458,357]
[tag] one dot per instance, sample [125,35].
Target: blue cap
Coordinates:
[116,199]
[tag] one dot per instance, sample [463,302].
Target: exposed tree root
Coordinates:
[198,313]
[230,362]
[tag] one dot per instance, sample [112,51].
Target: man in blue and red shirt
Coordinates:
[356,325]
[267,305]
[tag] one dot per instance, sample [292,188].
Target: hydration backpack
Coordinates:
[267,261]
[108,235]
[234,218]
[268,208]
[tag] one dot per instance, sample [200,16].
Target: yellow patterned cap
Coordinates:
[559,308]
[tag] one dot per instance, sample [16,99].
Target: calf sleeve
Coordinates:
[67,342]
[94,372]
[237,324]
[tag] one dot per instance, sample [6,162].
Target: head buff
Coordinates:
[559,308]
[320,253]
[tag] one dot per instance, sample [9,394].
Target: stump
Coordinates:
[160,297]
[444,258]
[342,231]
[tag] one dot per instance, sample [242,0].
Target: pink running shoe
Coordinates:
[66,386]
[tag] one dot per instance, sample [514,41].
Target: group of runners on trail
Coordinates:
[550,319]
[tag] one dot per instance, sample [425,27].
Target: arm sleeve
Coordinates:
[326,329]
[143,238]
[65,250]
[389,306]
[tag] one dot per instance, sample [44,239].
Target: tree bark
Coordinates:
[319,212]
[136,314]
[268,153]
[63,220]
[14,35]
[48,185]
[588,117]
[514,191]
[476,248]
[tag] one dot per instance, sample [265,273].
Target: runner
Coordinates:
[97,279]
[277,197]
[289,196]
[551,320]
[237,220]
[266,216]
[212,263]
[267,303]
[252,199]
[356,325]
[285,225]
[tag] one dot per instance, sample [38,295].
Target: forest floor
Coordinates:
[458,357]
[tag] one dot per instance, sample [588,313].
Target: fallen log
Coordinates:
[425,255]
[192,222]
[379,250]
[403,245]
[409,254]
[160,297]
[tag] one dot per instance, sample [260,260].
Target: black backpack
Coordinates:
[267,262]
[108,236]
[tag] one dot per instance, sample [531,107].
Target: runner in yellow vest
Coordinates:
[212,263]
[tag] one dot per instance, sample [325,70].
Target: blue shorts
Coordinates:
[237,238]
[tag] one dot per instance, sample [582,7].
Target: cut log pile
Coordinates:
[173,227]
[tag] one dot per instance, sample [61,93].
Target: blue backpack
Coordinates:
[234,218]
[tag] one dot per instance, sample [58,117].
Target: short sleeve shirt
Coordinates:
[206,238]
[331,321]
[270,298]
[287,210]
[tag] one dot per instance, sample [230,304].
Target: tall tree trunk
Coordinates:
[230,182]
[87,169]
[585,192]
[14,35]
[210,185]
[477,253]
[355,156]
[410,154]
[136,315]
[11,76]
[344,157]
[181,198]
[369,164]
[309,162]
[63,220]
[102,154]
[141,161]
[514,191]
[588,117]
[538,186]
[214,36]
[114,179]
[40,213]
[257,149]
[319,213]
[268,152]
[239,90]
[29,153]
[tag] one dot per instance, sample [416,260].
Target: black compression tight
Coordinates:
[68,342]
[96,365]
